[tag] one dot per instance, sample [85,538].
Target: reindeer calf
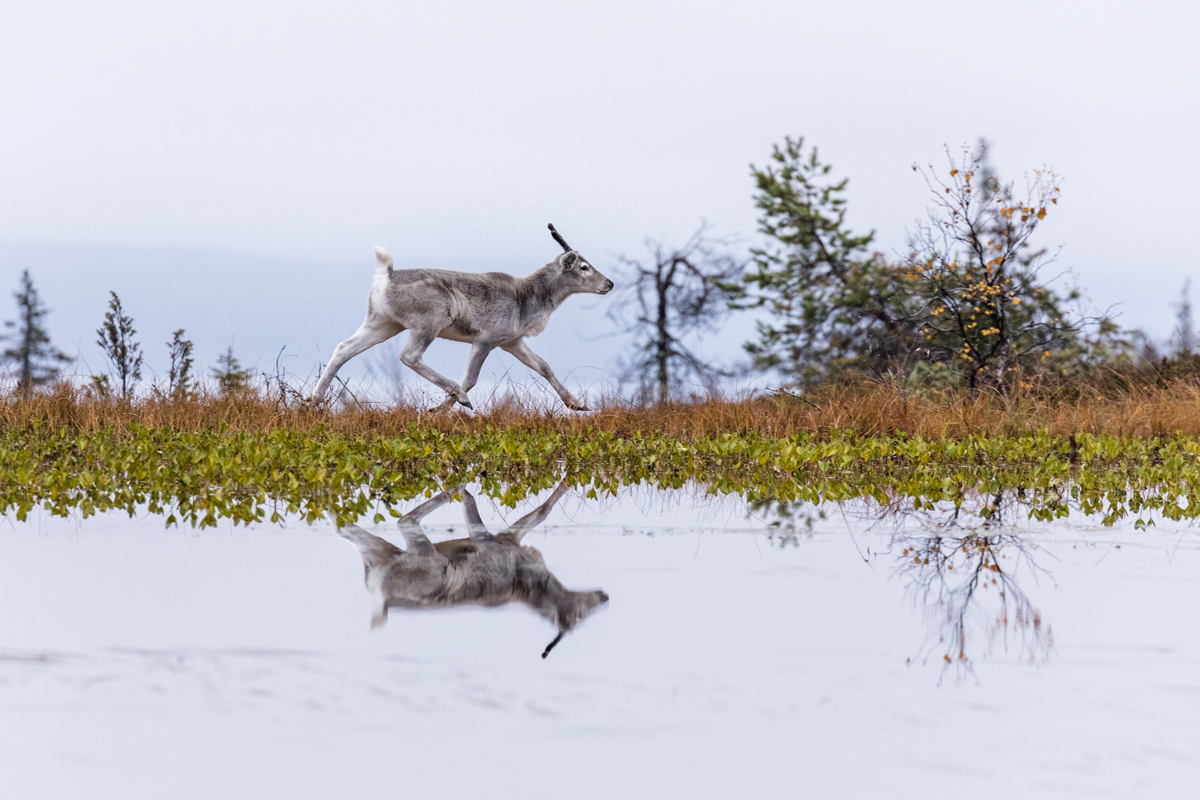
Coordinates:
[486,310]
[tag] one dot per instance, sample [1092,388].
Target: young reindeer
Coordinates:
[486,310]
[483,569]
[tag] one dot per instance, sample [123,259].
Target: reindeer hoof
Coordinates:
[467,404]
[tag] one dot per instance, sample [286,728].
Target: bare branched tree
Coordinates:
[675,295]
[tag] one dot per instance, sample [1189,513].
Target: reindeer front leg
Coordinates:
[419,340]
[480,350]
[538,364]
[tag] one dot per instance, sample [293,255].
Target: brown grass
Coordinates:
[867,407]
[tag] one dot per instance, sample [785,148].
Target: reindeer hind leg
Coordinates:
[375,328]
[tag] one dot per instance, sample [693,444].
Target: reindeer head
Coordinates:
[576,272]
[570,610]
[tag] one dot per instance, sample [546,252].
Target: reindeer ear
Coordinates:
[570,260]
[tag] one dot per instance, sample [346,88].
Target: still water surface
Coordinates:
[861,657]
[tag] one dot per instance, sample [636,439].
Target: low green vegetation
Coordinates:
[200,478]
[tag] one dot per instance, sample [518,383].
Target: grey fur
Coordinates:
[486,310]
[483,569]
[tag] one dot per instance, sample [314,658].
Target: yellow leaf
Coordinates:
[953,172]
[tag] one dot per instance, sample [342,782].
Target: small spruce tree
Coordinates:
[124,354]
[36,361]
[1185,330]
[231,376]
[180,375]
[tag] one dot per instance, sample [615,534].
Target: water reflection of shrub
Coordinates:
[961,566]
[966,581]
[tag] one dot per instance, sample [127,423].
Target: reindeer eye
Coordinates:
[584,268]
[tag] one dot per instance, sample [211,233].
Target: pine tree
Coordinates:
[829,300]
[37,361]
[115,338]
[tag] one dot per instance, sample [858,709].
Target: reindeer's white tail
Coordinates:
[385,261]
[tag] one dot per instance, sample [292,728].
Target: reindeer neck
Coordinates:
[536,588]
[544,290]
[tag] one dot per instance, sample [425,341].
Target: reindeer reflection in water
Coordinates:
[483,569]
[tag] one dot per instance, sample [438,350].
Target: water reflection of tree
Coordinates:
[961,563]
[966,580]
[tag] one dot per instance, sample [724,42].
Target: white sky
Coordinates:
[229,166]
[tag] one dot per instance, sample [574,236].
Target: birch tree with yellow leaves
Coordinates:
[975,281]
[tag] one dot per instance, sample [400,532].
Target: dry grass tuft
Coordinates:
[867,407]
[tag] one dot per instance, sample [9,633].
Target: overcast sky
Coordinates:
[227,167]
